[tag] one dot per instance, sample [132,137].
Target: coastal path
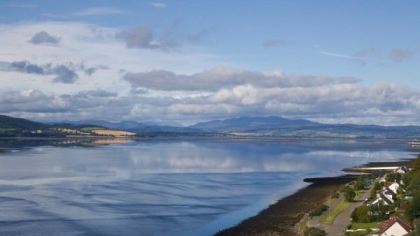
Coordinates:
[341,222]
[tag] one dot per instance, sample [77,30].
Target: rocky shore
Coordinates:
[281,217]
[285,216]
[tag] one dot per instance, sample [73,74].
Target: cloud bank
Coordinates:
[44,38]
[93,72]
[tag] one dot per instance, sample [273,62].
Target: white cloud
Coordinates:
[43,37]
[400,54]
[98,11]
[363,56]
[88,45]
[158,4]
[359,60]
[176,86]
[143,37]
[216,78]
[22,5]
[93,11]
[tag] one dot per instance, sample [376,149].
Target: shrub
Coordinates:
[349,194]
[407,179]
[319,210]
[413,211]
[312,231]
[360,183]
[393,177]
[379,212]
[414,185]
[416,164]
[361,214]
[378,186]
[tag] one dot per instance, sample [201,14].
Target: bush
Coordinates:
[416,164]
[376,187]
[349,194]
[360,183]
[335,195]
[361,214]
[413,211]
[312,231]
[414,185]
[319,210]
[379,212]
[393,177]
[407,178]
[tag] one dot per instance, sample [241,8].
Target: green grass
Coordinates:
[359,194]
[364,233]
[329,219]
[364,225]
[329,201]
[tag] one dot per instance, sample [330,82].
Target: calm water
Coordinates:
[160,187]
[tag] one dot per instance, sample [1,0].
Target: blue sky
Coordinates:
[376,43]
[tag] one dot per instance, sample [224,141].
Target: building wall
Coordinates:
[395,230]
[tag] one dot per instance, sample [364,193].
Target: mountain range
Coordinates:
[269,126]
[272,126]
[7,122]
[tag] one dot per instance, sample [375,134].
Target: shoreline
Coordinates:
[285,216]
[281,217]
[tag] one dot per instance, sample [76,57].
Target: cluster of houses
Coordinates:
[388,195]
[389,192]
[394,226]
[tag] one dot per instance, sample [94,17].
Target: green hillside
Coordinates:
[7,122]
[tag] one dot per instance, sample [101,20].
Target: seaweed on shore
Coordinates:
[281,217]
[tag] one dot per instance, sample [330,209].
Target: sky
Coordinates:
[185,61]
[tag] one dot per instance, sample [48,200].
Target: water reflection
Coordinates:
[158,187]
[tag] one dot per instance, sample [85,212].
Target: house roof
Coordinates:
[392,185]
[391,221]
[389,192]
[382,196]
[402,168]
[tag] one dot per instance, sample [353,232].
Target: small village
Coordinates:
[382,201]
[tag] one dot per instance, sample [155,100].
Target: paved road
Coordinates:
[342,220]
[316,220]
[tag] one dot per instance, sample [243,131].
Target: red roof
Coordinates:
[391,221]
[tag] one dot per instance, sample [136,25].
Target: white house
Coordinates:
[382,179]
[394,226]
[401,170]
[394,187]
[378,200]
[386,196]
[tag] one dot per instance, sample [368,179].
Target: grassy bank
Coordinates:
[329,219]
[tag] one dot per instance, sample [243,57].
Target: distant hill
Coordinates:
[278,126]
[271,126]
[7,122]
[125,125]
[148,128]
[252,124]
[17,127]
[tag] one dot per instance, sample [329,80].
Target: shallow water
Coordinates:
[160,187]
